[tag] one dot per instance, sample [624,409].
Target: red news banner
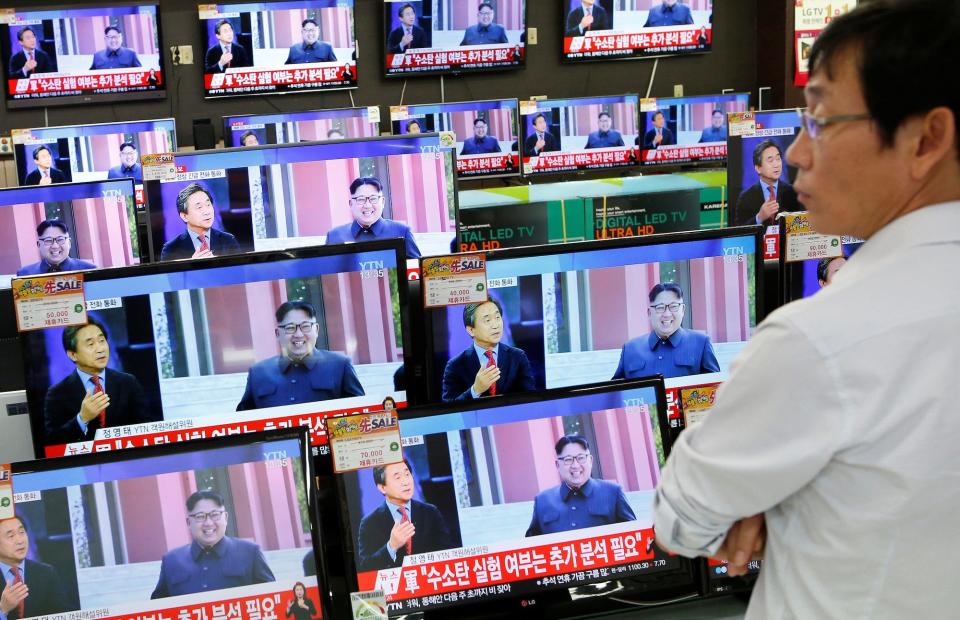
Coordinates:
[127,80]
[188,429]
[594,158]
[413,60]
[476,164]
[684,153]
[284,78]
[627,41]
[485,574]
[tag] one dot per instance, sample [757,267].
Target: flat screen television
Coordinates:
[91,152]
[290,127]
[685,130]
[756,159]
[222,526]
[486,133]
[676,304]
[293,46]
[588,133]
[194,349]
[67,227]
[282,196]
[624,29]
[484,484]
[436,37]
[105,53]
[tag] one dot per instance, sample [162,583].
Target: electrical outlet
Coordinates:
[531,36]
[678,90]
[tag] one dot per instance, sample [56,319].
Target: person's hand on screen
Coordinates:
[92,404]
[30,65]
[487,376]
[586,22]
[402,532]
[45,181]
[13,595]
[406,40]
[768,210]
[203,253]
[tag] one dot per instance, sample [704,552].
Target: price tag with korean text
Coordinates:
[365,440]
[49,301]
[454,280]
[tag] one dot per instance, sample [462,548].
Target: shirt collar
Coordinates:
[219,550]
[309,46]
[482,28]
[482,353]
[286,363]
[586,489]
[674,340]
[85,378]
[376,228]
[195,236]
[395,510]
[7,569]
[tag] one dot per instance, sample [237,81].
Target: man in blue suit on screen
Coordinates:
[114,55]
[366,206]
[605,136]
[311,49]
[669,13]
[302,373]
[200,239]
[53,242]
[485,32]
[27,588]
[129,164]
[481,142]
[488,367]
[668,350]
[578,501]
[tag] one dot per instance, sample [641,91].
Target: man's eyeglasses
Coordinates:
[113,37]
[311,30]
[813,124]
[485,12]
[580,459]
[213,515]
[661,308]
[49,241]
[367,200]
[291,328]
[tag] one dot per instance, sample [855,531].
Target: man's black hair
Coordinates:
[126,144]
[216,29]
[413,121]
[658,113]
[566,440]
[190,190]
[479,119]
[604,113]
[763,146]
[470,311]
[404,8]
[246,135]
[309,20]
[660,287]
[361,181]
[45,224]
[70,334]
[899,46]
[203,494]
[380,472]
[717,111]
[42,147]
[540,115]
[106,31]
[20,34]
[295,304]
[823,267]
[489,5]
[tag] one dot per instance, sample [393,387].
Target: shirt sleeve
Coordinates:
[778,421]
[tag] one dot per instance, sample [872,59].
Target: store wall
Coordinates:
[732,64]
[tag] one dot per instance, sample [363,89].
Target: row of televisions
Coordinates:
[490,138]
[113,52]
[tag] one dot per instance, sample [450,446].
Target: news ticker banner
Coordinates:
[477,573]
[49,301]
[802,243]
[473,57]
[627,43]
[488,163]
[686,152]
[454,280]
[280,79]
[116,81]
[579,160]
[810,17]
[220,425]
[365,440]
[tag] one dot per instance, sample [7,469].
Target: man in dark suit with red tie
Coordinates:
[30,60]
[27,588]
[588,17]
[400,526]
[227,53]
[92,396]
[760,203]
[504,369]
[200,239]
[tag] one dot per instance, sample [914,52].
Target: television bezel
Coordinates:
[226,118]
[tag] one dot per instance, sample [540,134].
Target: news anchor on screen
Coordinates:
[45,173]
[212,560]
[604,137]
[53,243]
[669,349]
[669,13]
[488,366]
[92,396]
[579,501]
[760,203]
[717,131]
[114,55]
[485,32]
[311,49]
[408,35]
[588,17]
[129,164]
[30,60]
[541,140]
[366,206]
[660,135]
[227,53]
[249,138]
[27,588]
[200,239]
[401,525]
[302,373]
[481,142]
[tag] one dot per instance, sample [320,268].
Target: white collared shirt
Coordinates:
[840,422]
